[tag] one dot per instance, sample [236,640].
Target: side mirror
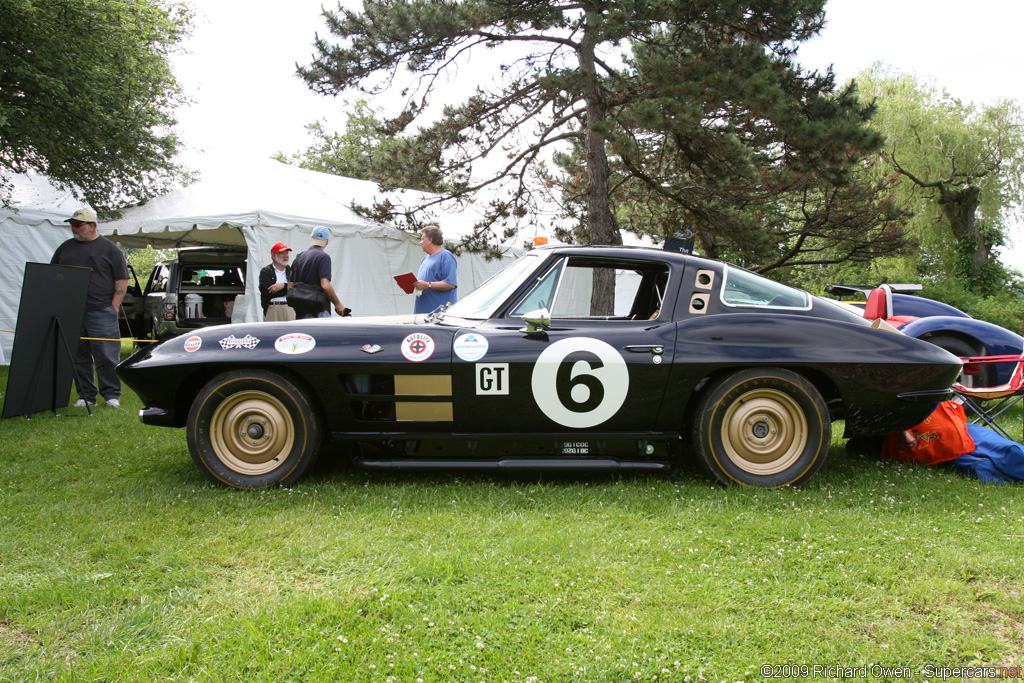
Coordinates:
[537,322]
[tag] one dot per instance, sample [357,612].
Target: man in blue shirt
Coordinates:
[437,279]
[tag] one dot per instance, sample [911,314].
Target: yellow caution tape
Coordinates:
[136,341]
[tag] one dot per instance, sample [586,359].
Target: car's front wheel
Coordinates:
[253,429]
[764,427]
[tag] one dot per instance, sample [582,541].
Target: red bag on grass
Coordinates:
[941,437]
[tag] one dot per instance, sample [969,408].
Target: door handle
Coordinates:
[656,349]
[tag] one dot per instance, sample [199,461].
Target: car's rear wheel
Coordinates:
[253,429]
[764,427]
[985,377]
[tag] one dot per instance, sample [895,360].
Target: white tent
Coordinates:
[261,203]
[254,205]
[29,233]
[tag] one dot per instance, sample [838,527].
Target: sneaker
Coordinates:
[113,403]
[81,403]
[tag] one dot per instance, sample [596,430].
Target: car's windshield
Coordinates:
[481,303]
[743,288]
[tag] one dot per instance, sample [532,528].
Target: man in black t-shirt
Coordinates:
[313,267]
[108,283]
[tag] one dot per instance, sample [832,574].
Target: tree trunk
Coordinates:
[603,229]
[961,208]
[708,244]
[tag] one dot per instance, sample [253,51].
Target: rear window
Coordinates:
[746,290]
[211,277]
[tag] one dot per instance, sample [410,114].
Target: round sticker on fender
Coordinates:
[417,347]
[295,343]
[580,382]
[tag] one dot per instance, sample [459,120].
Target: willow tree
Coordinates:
[962,166]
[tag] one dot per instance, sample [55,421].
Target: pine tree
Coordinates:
[696,104]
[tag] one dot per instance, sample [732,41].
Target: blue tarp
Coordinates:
[995,459]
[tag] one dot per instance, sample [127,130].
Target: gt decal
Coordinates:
[580,382]
[492,379]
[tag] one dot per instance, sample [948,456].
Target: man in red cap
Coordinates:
[274,280]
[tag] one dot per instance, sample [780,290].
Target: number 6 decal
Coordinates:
[580,382]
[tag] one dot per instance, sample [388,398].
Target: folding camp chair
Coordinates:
[988,403]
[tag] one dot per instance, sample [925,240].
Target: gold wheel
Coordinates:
[252,432]
[764,432]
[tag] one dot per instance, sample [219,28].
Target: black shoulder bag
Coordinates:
[306,299]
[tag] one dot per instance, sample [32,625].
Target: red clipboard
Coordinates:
[406,282]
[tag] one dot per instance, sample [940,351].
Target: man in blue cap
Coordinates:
[313,267]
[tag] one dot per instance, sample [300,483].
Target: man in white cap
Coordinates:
[313,267]
[108,282]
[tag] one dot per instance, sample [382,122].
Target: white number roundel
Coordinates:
[593,383]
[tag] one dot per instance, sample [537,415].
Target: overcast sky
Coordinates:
[248,103]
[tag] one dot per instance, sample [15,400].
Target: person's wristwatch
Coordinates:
[430,285]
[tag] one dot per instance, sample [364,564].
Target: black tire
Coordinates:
[762,427]
[958,347]
[252,429]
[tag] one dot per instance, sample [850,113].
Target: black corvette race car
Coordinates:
[571,357]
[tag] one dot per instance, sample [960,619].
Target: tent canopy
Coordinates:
[262,194]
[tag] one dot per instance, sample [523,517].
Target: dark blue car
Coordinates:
[946,327]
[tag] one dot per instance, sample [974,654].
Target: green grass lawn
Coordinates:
[119,562]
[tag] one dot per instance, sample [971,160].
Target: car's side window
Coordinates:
[636,290]
[650,295]
[158,279]
[543,293]
[576,295]
[743,289]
